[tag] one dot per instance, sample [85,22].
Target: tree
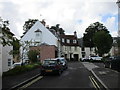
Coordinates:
[6,35]
[29,23]
[32,55]
[16,46]
[103,41]
[89,33]
[58,29]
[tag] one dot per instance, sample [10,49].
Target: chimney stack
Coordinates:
[43,22]
[75,34]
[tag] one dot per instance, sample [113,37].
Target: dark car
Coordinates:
[112,62]
[51,66]
[63,62]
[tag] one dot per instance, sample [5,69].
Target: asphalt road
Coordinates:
[76,76]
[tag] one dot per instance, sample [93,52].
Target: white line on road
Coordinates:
[30,83]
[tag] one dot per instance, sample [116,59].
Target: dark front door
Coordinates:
[75,57]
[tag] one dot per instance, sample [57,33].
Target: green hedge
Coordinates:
[20,69]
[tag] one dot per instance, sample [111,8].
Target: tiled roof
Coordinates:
[71,38]
[68,36]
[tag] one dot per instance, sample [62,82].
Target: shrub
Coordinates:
[32,55]
[21,69]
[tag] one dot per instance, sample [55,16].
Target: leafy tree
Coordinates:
[103,41]
[58,29]
[90,31]
[6,36]
[32,55]
[28,24]
[16,46]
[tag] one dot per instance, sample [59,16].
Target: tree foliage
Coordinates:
[58,29]
[6,35]
[28,24]
[90,31]
[103,41]
[32,55]
[16,47]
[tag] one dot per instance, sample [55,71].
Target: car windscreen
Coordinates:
[49,62]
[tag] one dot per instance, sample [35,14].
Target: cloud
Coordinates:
[72,15]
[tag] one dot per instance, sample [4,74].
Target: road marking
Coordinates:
[99,80]
[92,82]
[30,83]
[95,84]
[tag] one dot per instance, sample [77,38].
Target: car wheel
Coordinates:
[110,66]
[42,73]
[105,66]
[59,72]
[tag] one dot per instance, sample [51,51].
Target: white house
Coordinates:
[70,47]
[6,60]
[35,36]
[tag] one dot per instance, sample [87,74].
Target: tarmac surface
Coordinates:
[110,78]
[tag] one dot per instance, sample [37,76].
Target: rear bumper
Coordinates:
[50,70]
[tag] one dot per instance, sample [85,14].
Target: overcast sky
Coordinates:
[72,15]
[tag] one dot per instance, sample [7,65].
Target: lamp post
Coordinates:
[118,3]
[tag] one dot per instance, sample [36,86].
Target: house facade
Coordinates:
[35,36]
[70,48]
[6,59]
[45,51]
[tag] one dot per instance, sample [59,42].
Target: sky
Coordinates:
[72,15]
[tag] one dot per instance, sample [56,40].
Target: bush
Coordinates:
[32,55]
[21,69]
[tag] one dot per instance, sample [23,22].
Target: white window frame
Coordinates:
[74,41]
[63,40]
[9,62]
[37,34]
[68,40]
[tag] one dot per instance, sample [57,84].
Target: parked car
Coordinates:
[63,62]
[16,64]
[112,62]
[51,66]
[95,58]
[85,59]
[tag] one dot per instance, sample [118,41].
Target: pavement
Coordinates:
[108,77]
[11,81]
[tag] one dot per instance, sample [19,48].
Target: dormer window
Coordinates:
[38,32]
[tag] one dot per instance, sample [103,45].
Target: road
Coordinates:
[76,76]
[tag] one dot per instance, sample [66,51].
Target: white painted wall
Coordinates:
[0,59]
[67,50]
[5,57]
[46,35]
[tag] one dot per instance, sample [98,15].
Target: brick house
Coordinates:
[46,51]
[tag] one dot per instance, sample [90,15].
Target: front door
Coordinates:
[75,57]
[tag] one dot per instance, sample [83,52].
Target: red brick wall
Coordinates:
[46,51]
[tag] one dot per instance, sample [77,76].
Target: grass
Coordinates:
[21,69]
